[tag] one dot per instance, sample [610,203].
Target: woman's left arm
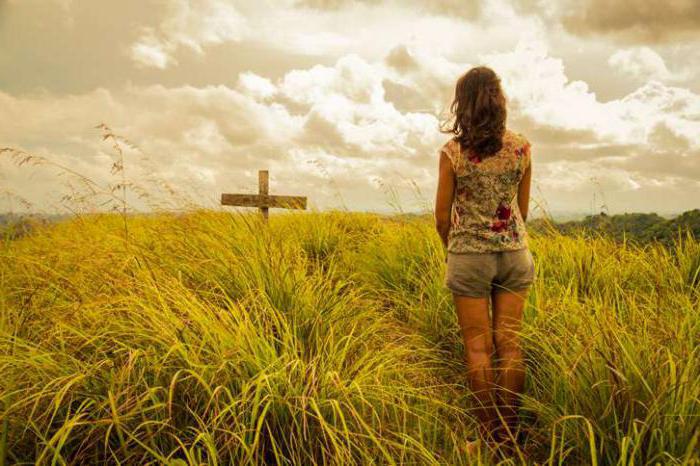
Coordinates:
[444,197]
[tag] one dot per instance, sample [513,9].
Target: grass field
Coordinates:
[328,338]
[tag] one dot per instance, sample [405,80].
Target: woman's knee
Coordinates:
[478,342]
[507,344]
[509,354]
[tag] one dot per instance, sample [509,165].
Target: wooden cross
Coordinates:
[263,200]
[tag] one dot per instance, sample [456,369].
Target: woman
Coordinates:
[480,212]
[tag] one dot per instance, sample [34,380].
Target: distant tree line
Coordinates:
[635,227]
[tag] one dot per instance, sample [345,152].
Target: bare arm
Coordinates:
[444,197]
[524,191]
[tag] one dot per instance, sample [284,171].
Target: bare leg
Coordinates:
[473,315]
[510,373]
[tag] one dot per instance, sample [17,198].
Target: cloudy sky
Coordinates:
[341,99]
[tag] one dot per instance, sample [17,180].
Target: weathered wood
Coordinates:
[257,200]
[264,201]
[264,190]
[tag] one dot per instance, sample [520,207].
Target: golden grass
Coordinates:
[327,338]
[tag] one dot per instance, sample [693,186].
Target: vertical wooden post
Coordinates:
[264,190]
[263,200]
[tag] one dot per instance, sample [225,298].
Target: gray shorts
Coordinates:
[475,273]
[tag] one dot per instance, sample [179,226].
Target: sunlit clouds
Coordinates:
[188,23]
[341,100]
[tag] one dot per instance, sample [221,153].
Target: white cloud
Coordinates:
[640,62]
[539,86]
[226,131]
[255,85]
[540,89]
[199,138]
[189,23]
[655,102]
[149,51]
[369,112]
[206,138]
[348,100]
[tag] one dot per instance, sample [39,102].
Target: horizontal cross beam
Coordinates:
[263,200]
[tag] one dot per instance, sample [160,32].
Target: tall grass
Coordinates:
[206,337]
[328,338]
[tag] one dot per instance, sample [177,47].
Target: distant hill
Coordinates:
[636,227]
[14,226]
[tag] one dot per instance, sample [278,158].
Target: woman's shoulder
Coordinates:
[450,148]
[518,138]
[450,144]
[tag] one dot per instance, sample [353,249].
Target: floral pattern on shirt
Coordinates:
[485,215]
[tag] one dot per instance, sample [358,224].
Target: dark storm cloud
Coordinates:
[648,21]
[405,98]
[401,59]
[320,132]
[332,4]
[206,119]
[468,9]
[77,48]
[666,154]
[70,49]
[423,89]
[553,153]
[547,134]
[662,136]
[661,163]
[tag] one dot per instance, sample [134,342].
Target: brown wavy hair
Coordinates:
[479,112]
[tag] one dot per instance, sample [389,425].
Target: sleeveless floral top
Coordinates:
[485,214]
